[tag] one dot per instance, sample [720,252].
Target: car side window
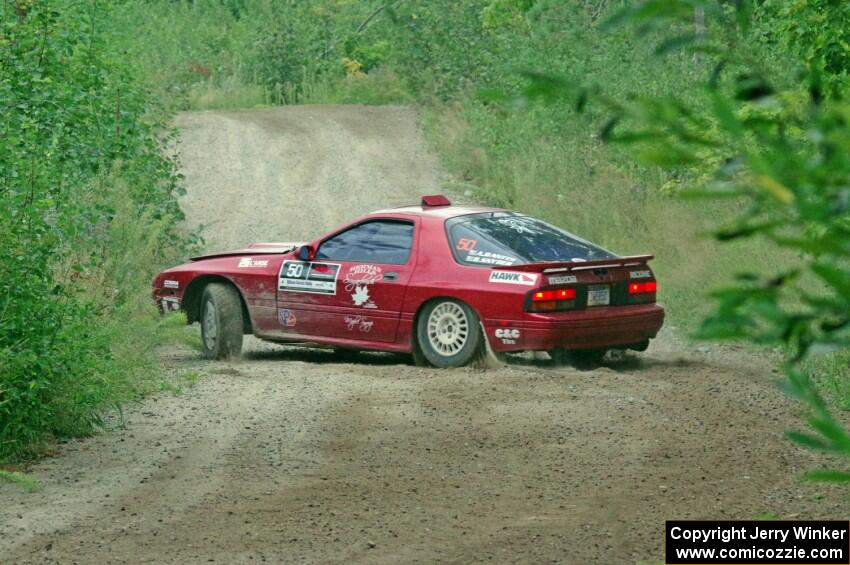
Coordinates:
[379,241]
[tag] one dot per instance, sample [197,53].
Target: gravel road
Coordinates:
[292,455]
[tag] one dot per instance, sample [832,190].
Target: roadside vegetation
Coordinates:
[88,215]
[517,98]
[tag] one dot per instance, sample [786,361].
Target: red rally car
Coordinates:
[434,280]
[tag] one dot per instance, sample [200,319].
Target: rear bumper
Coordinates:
[591,328]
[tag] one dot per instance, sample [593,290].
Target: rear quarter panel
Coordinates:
[438,275]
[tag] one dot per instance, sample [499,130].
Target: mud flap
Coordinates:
[489,359]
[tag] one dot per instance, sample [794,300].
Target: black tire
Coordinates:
[582,359]
[221,322]
[448,334]
[417,356]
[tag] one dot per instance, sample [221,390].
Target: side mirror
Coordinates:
[306,253]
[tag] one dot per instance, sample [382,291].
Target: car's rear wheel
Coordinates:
[448,333]
[221,322]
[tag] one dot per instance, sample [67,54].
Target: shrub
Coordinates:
[74,125]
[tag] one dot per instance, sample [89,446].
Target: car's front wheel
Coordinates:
[448,333]
[221,322]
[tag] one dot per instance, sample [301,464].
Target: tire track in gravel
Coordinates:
[291,456]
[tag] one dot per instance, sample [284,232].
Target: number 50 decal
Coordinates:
[301,276]
[466,244]
[294,270]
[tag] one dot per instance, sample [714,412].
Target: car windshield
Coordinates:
[506,238]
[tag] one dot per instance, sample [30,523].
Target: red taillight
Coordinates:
[546,295]
[643,287]
[543,295]
[552,300]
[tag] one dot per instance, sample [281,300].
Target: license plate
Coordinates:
[599,295]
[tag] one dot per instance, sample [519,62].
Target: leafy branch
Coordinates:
[779,149]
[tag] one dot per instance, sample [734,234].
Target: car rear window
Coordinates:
[506,238]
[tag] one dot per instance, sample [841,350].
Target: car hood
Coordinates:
[254,249]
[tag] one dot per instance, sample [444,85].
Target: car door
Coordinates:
[353,288]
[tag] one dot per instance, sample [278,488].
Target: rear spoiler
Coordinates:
[565,266]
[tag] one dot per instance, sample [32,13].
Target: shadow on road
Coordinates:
[627,362]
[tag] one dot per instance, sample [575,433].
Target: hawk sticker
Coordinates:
[511,277]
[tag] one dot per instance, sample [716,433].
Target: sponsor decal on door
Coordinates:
[307,276]
[286,318]
[360,323]
[357,281]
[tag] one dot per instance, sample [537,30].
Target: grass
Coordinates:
[26,482]
[381,86]
[830,369]
[207,95]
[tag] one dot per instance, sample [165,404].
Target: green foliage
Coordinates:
[818,32]
[82,152]
[505,13]
[199,55]
[782,161]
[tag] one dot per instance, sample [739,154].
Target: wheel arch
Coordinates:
[191,303]
[419,309]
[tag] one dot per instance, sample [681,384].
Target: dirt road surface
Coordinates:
[284,174]
[290,456]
